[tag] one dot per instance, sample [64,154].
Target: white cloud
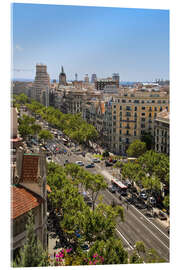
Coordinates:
[18,48]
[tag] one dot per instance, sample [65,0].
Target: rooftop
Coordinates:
[22,201]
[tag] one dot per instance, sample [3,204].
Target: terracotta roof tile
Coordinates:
[22,201]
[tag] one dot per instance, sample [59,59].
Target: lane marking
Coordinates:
[150,222]
[125,239]
[150,231]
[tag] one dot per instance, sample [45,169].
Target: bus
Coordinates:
[119,185]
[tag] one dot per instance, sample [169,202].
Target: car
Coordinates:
[95,160]
[123,193]
[140,205]
[108,164]
[143,195]
[152,201]
[112,189]
[91,165]
[162,215]
[80,163]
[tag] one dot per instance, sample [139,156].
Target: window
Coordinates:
[150,109]
[120,131]
[123,100]
[159,101]
[153,101]
[120,108]
[120,125]
[143,108]
[114,117]
[128,108]
[135,133]
[135,126]
[143,114]
[142,125]
[160,109]
[128,114]
[135,108]
[143,119]
[150,115]
[120,114]
[136,101]
[114,106]
[142,101]
[164,101]
[135,114]
[127,140]
[155,108]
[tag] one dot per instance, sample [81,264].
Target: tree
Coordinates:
[94,183]
[32,254]
[148,139]
[166,201]
[111,250]
[136,149]
[105,154]
[35,129]
[45,135]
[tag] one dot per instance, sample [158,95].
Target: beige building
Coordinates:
[161,132]
[126,117]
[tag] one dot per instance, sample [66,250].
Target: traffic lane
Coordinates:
[136,228]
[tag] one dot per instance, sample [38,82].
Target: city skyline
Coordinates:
[87,40]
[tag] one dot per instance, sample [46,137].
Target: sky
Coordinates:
[85,40]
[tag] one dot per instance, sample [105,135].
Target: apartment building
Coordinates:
[161,132]
[126,117]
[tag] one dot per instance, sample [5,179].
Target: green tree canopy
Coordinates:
[136,148]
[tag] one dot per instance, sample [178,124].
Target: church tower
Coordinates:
[62,77]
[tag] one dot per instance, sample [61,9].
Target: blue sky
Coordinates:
[132,42]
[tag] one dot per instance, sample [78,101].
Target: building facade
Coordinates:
[126,117]
[100,84]
[161,132]
[41,84]
[28,193]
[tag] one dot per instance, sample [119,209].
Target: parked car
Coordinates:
[162,216]
[80,163]
[112,189]
[152,201]
[91,165]
[143,195]
[140,205]
[108,164]
[123,193]
[95,160]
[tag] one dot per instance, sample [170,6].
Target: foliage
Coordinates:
[111,251]
[32,254]
[148,139]
[45,135]
[134,258]
[105,154]
[166,201]
[153,257]
[136,148]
